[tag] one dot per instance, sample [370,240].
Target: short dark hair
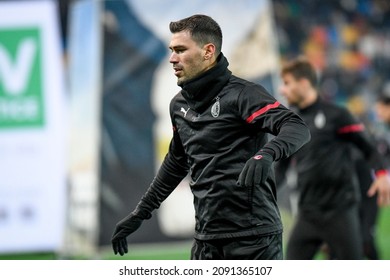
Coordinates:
[202,28]
[301,68]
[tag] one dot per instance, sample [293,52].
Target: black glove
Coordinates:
[256,170]
[125,227]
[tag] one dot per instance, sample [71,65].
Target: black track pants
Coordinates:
[340,230]
[268,247]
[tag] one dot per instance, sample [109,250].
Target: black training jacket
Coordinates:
[327,178]
[219,122]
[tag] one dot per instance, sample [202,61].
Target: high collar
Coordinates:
[312,106]
[201,90]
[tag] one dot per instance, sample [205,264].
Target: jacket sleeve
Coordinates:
[351,130]
[266,114]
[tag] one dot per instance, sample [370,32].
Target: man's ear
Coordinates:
[305,82]
[209,51]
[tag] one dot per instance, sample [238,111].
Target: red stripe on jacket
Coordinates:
[351,128]
[262,111]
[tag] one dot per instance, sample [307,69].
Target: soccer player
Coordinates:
[328,206]
[220,124]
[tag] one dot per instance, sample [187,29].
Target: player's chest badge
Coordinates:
[215,109]
[320,120]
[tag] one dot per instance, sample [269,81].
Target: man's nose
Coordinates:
[173,58]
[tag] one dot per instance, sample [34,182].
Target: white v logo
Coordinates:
[14,76]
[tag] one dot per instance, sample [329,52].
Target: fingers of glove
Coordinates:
[258,175]
[122,246]
[262,172]
[115,247]
[120,249]
[241,178]
[119,245]
[249,178]
[116,244]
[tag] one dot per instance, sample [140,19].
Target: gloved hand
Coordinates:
[124,228]
[256,170]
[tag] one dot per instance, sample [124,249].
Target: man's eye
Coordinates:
[177,51]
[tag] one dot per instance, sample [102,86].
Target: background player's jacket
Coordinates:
[326,171]
[219,122]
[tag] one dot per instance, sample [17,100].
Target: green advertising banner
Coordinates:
[33,128]
[21,94]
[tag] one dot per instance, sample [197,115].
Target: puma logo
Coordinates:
[184,111]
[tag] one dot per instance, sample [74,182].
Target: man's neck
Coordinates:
[310,99]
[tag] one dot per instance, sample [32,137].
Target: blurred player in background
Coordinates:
[368,207]
[220,124]
[328,206]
